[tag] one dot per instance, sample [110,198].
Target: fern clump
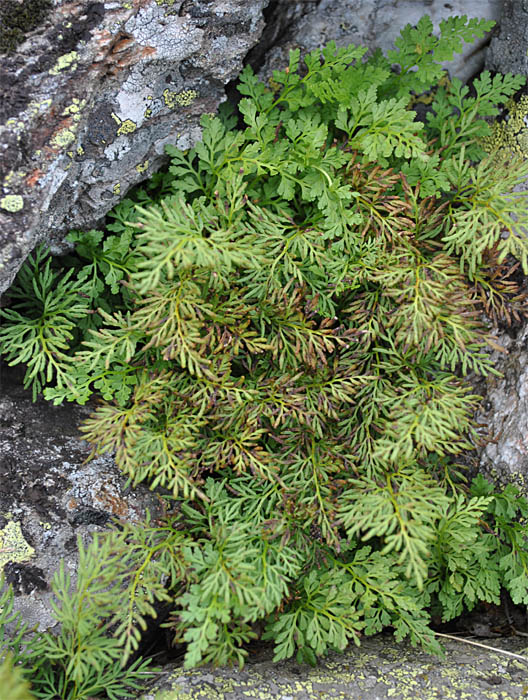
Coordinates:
[280,329]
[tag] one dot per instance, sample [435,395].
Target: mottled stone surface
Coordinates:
[504,413]
[378,670]
[48,496]
[90,92]
[507,50]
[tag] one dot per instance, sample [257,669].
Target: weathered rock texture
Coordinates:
[378,670]
[48,496]
[507,50]
[90,92]
[504,413]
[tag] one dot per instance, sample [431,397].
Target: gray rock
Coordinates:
[91,92]
[507,50]
[49,496]
[504,414]
[379,669]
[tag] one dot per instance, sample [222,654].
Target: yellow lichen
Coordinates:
[36,107]
[74,109]
[63,138]
[141,167]
[125,127]
[511,133]
[183,99]
[69,60]
[12,202]
[117,188]
[14,177]
[13,546]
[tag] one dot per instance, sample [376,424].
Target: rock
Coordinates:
[504,413]
[377,23]
[49,496]
[90,93]
[380,668]
[507,50]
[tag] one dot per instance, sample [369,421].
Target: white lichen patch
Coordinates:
[174,41]
[13,546]
[66,62]
[12,202]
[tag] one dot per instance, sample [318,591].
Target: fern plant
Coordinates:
[279,330]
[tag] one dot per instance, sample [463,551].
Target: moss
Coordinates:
[17,19]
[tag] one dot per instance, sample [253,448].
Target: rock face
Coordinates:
[504,413]
[507,50]
[90,92]
[48,496]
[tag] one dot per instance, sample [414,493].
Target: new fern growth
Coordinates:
[280,329]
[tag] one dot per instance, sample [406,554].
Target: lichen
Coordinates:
[12,202]
[117,188]
[142,167]
[511,132]
[183,99]
[17,19]
[63,138]
[13,546]
[14,178]
[125,127]
[74,110]
[67,61]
